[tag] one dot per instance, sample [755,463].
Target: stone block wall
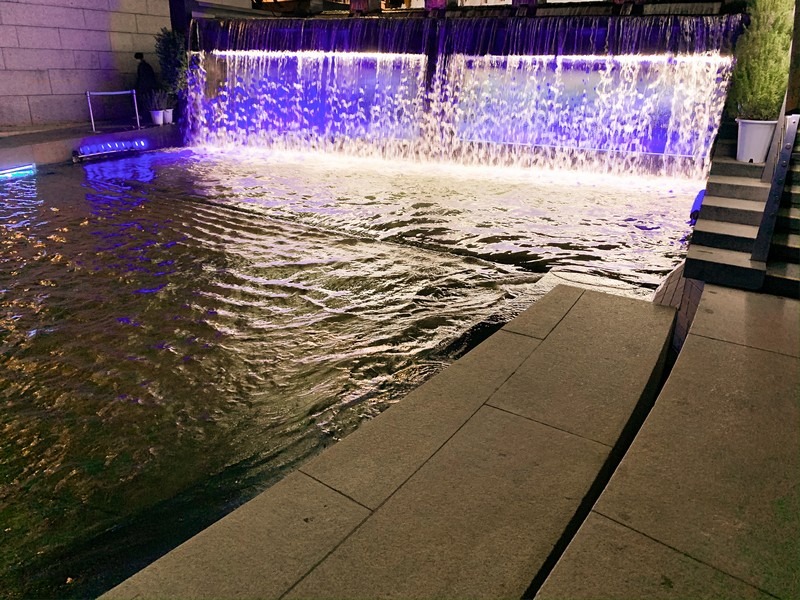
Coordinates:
[51,53]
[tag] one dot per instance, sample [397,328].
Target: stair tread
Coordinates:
[724,257]
[789,211]
[731,161]
[737,180]
[725,228]
[784,270]
[736,203]
[782,238]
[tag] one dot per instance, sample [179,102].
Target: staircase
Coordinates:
[726,229]
[783,265]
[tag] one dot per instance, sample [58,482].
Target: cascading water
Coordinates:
[353,101]
[603,94]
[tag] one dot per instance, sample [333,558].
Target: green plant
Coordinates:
[157,100]
[761,73]
[171,52]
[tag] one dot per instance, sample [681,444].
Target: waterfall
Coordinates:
[603,94]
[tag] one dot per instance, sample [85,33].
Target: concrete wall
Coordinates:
[51,53]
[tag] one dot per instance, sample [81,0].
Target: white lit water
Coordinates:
[625,114]
[180,329]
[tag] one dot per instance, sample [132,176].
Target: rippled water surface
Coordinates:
[179,329]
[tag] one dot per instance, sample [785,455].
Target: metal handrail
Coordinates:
[775,145]
[767,227]
[122,93]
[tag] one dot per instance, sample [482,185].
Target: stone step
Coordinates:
[728,130]
[725,148]
[782,279]
[788,219]
[724,267]
[744,188]
[731,210]
[792,194]
[785,247]
[698,510]
[728,236]
[729,166]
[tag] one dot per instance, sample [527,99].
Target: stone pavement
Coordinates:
[706,502]
[469,487]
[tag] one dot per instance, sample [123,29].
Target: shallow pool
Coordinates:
[180,329]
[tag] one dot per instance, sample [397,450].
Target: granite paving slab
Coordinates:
[541,318]
[715,470]
[609,560]
[372,462]
[257,551]
[750,319]
[476,521]
[590,373]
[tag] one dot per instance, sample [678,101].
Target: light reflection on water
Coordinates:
[178,330]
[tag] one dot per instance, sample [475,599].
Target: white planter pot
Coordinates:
[157,116]
[753,140]
[167,116]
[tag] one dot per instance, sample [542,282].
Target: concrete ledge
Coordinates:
[257,551]
[56,145]
[448,493]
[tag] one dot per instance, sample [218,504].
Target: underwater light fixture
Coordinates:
[108,149]
[17,172]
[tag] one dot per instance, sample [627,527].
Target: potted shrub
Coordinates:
[173,61]
[760,76]
[156,102]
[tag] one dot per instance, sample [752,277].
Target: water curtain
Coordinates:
[606,94]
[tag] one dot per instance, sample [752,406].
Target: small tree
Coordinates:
[171,52]
[761,73]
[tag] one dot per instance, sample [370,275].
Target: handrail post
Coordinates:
[136,108]
[91,114]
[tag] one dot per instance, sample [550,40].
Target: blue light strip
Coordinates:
[105,148]
[16,172]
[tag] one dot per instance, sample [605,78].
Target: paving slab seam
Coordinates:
[525,335]
[510,412]
[582,513]
[689,556]
[335,490]
[324,558]
[638,416]
[553,328]
[716,339]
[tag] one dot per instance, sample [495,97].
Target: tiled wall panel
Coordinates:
[51,53]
